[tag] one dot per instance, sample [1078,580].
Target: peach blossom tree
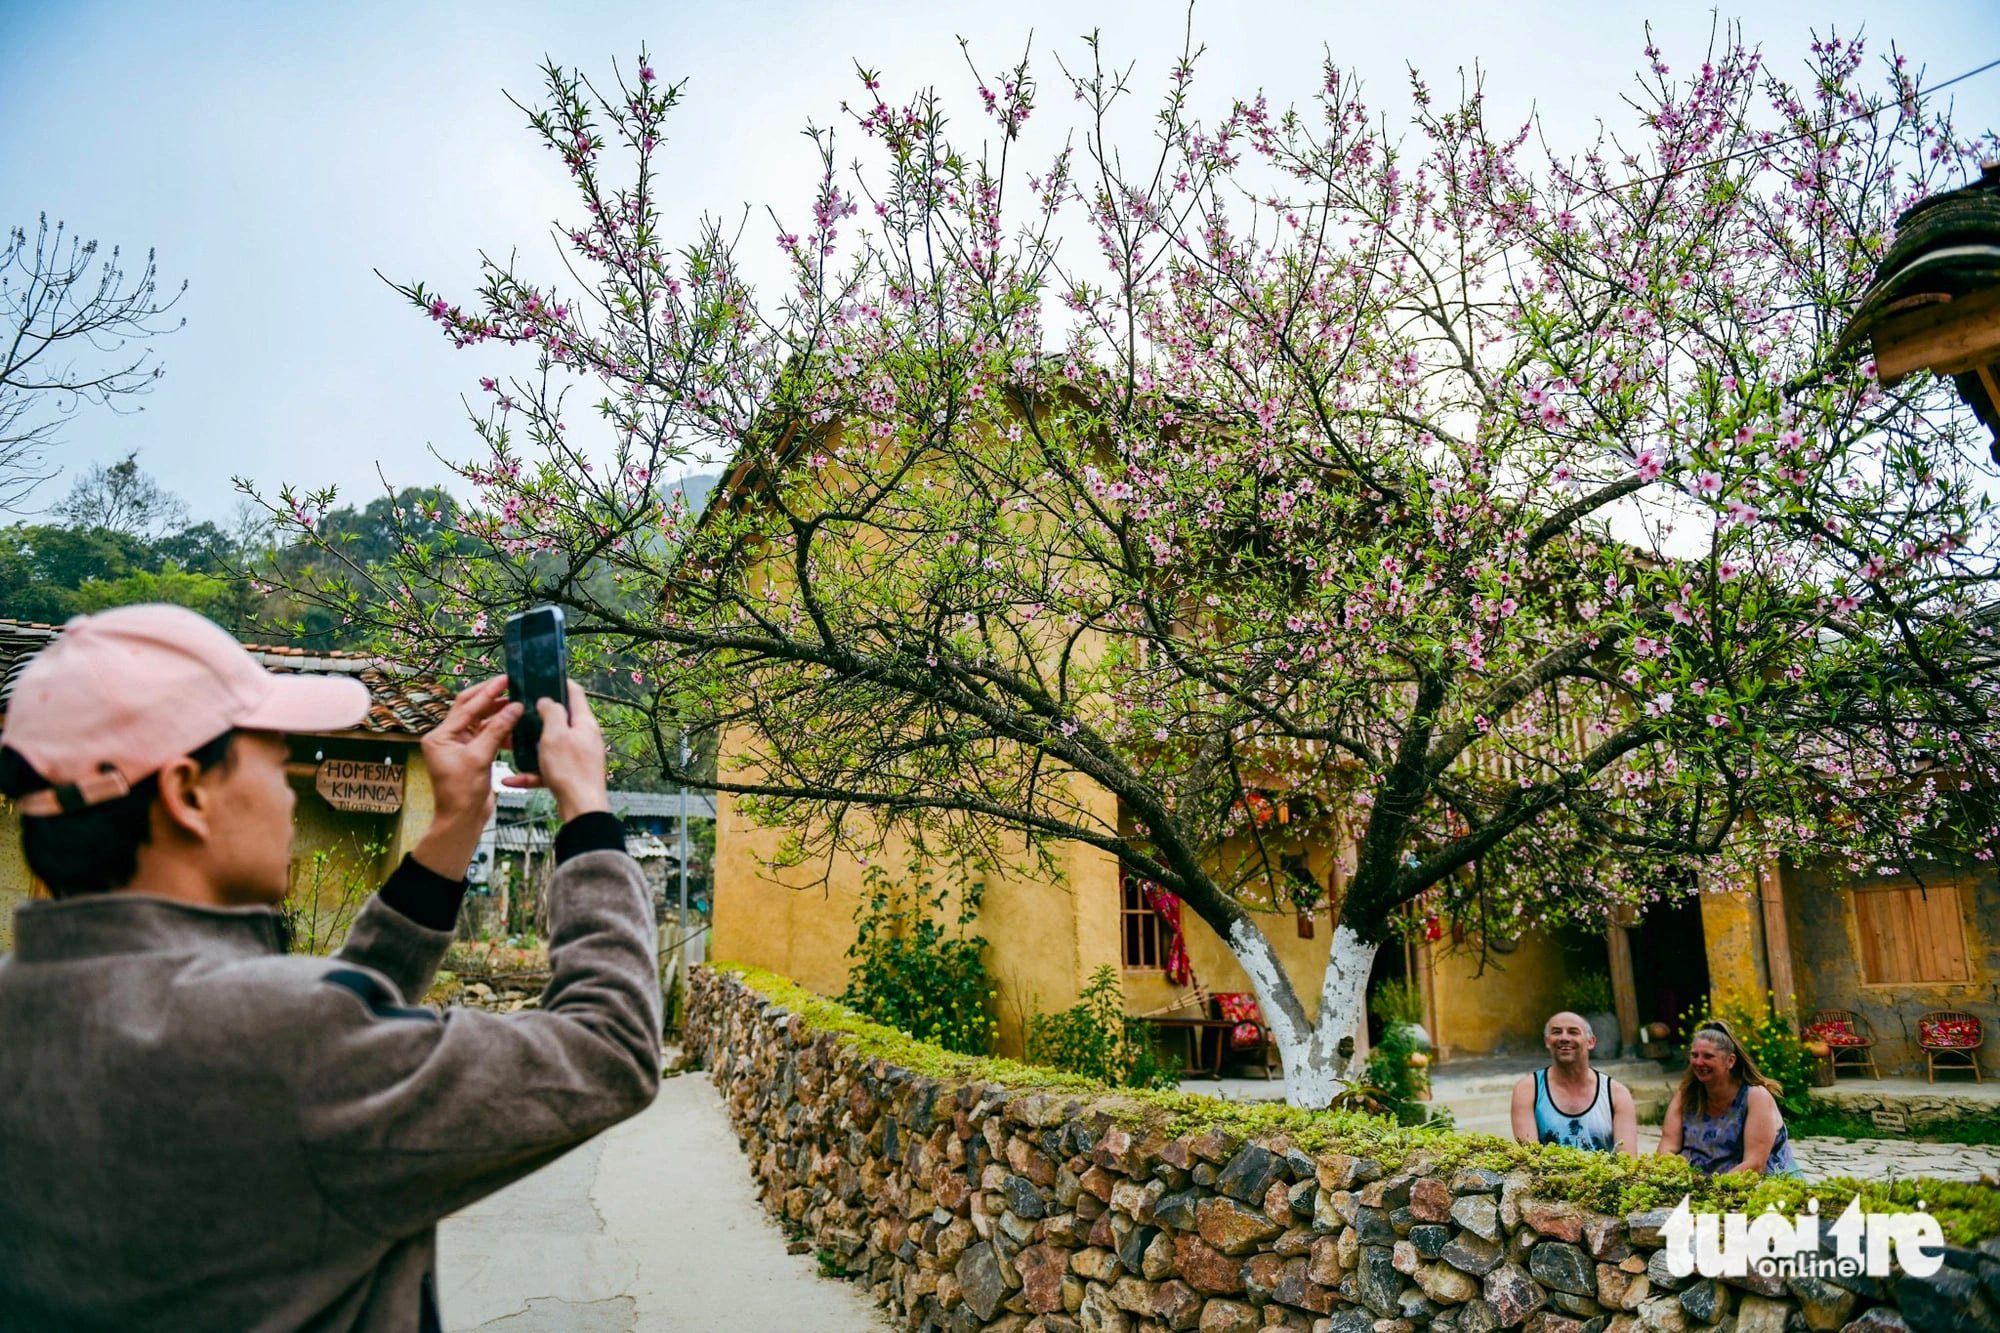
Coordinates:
[1499,509]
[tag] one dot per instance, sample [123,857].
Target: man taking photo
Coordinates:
[198,1131]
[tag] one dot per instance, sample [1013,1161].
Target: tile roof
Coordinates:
[625,804]
[400,702]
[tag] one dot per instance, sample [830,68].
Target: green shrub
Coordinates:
[1391,1075]
[1588,993]
[1767,1037]
[909,973]
[328,890]
[1397,1001]
[1096,1038]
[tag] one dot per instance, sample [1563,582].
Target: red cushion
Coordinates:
[1835,1032]
[1948,1033]
[1240,1008]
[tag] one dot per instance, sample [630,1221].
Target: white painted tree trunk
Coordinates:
[1310,1051]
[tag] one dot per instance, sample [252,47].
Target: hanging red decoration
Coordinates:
[1177,965]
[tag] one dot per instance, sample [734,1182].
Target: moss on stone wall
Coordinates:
[1600,1182]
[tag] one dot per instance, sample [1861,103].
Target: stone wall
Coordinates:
[969,1206]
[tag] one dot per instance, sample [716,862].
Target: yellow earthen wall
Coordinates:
[1505,1006]
[1730,929]
[801,922]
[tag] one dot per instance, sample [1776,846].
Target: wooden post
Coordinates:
[1427,979]
[1624,987]
[1777,942]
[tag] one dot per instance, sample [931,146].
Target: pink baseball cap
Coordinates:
[120,695]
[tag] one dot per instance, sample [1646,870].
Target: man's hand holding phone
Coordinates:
[571,750]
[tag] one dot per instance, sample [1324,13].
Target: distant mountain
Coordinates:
[697,488]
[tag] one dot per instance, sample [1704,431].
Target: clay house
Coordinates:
[1048,935]
[1815,938]
[364,797]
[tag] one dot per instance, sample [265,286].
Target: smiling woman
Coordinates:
[1725,1116]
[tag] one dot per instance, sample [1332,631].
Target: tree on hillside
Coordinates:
[123,498]
[1498,508]
[68,322]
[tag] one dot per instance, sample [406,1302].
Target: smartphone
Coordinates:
[537,669]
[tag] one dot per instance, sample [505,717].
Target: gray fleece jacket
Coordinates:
[198,1131]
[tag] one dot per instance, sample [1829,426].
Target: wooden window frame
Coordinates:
[1139,926]
[1868,930]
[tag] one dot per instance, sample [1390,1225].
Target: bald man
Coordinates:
[1571,1104]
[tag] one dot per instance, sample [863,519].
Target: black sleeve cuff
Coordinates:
[423,895]
[598,831]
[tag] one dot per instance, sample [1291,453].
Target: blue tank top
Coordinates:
[1589,1128]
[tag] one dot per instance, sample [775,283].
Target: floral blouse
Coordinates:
[1714,1144]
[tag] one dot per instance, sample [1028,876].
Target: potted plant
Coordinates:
[1589,994]
[1399,1004]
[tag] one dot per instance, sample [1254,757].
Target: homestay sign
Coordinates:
[349,784]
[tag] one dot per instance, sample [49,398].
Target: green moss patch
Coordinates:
[1601,1182]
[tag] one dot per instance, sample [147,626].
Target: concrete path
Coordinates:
[651,1226]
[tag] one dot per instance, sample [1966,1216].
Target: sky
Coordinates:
[278,156]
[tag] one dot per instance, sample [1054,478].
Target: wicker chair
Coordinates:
[1953,1037]
[1848,1033]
